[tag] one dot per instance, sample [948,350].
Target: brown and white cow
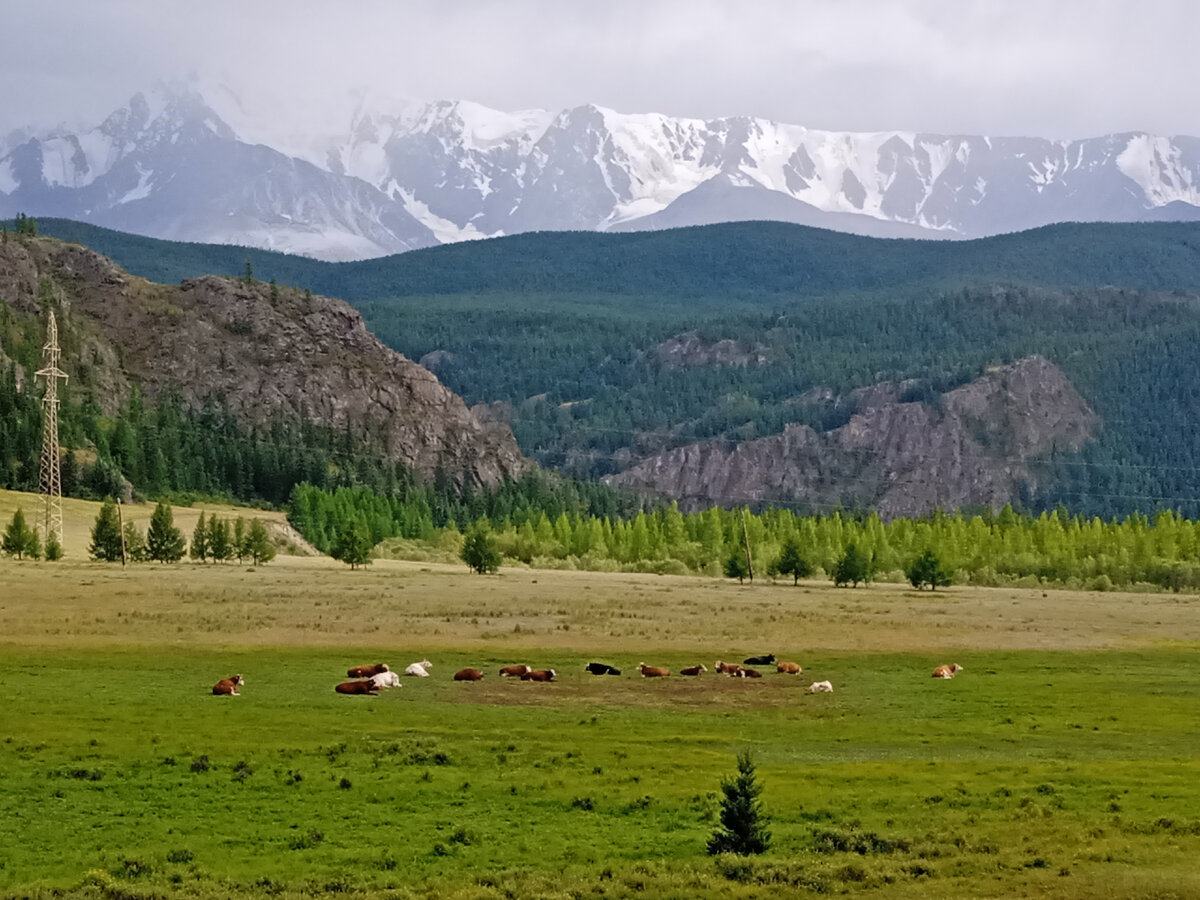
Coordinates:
[228,687]
[358,687]
[748,673]
[539,675]
[653,671]
[947,670]
[515,671]
[788,668]
[468,675]
[694,670]
[367,671]
[731,669]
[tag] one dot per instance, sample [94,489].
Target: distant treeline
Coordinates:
[1005,548]
[733,260]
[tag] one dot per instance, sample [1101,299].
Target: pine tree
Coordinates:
[736,567]
[927,569]
[54,550]
[106,534]
[792,562]
[33,546]
[135,544]
[258,543]
[164,542]
[742,830]
[241,542]
[353,545]
[479,549]
[852,568]
[219,546]
[199,547]
[17,536]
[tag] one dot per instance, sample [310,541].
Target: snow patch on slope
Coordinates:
[1155,165]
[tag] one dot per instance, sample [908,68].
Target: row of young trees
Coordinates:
[23,541]
[214,538]
[985,548]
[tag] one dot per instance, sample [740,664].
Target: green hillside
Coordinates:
[564,329]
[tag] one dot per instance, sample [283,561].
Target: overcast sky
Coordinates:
[1058,68]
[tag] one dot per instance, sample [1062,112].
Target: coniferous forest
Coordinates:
[1115,307]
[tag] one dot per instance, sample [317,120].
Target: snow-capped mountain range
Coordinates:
[186,163]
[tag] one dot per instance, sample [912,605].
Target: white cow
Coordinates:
[386,680]
[821,687]
[418,669]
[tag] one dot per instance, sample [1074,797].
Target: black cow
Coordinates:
[601,669]
[767,659]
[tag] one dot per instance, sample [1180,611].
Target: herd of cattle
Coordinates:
[370,679]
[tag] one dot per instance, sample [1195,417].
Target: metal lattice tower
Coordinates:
[49,478]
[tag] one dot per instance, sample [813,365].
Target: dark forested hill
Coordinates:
[742,259]
[604,350]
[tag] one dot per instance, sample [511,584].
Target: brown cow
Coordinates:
[653,671]
[229,686]
[367,671]
[358,687]
[468,675]
[788,668]
[515,671]
[539,675]
[731,669]
[694,670]
[947,671]
[748,673]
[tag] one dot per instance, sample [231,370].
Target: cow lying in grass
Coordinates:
[694,670]
[765,660]
[653,671]
[366,671]
[228,687]
[385,680]
[821,687]
[731,669]
[538,675]
[596,668]
[468,675]
[419,669]
[515,671]
[366,687]
[947,671]
[788,668]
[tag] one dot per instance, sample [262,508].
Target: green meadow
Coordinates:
[1064,761]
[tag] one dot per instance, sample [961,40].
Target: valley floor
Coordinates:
[1061,762]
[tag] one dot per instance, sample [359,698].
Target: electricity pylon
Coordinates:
[50,478]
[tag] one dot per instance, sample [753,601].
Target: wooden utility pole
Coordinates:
[121,525]
[746,541]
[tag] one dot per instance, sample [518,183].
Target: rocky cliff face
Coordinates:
[263,351]
[973,447]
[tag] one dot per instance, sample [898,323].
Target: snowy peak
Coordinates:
[384,175]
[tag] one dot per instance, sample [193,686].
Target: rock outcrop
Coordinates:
[975,446]
[263,351]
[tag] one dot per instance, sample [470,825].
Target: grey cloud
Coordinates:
[1066,68]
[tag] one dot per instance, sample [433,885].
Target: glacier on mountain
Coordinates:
[196,163]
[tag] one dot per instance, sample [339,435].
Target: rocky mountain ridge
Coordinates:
[263,351]
[186,164]
[975,446]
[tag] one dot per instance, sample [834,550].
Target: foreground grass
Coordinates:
[1061,763]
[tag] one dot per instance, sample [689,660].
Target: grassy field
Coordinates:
[1063,762]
